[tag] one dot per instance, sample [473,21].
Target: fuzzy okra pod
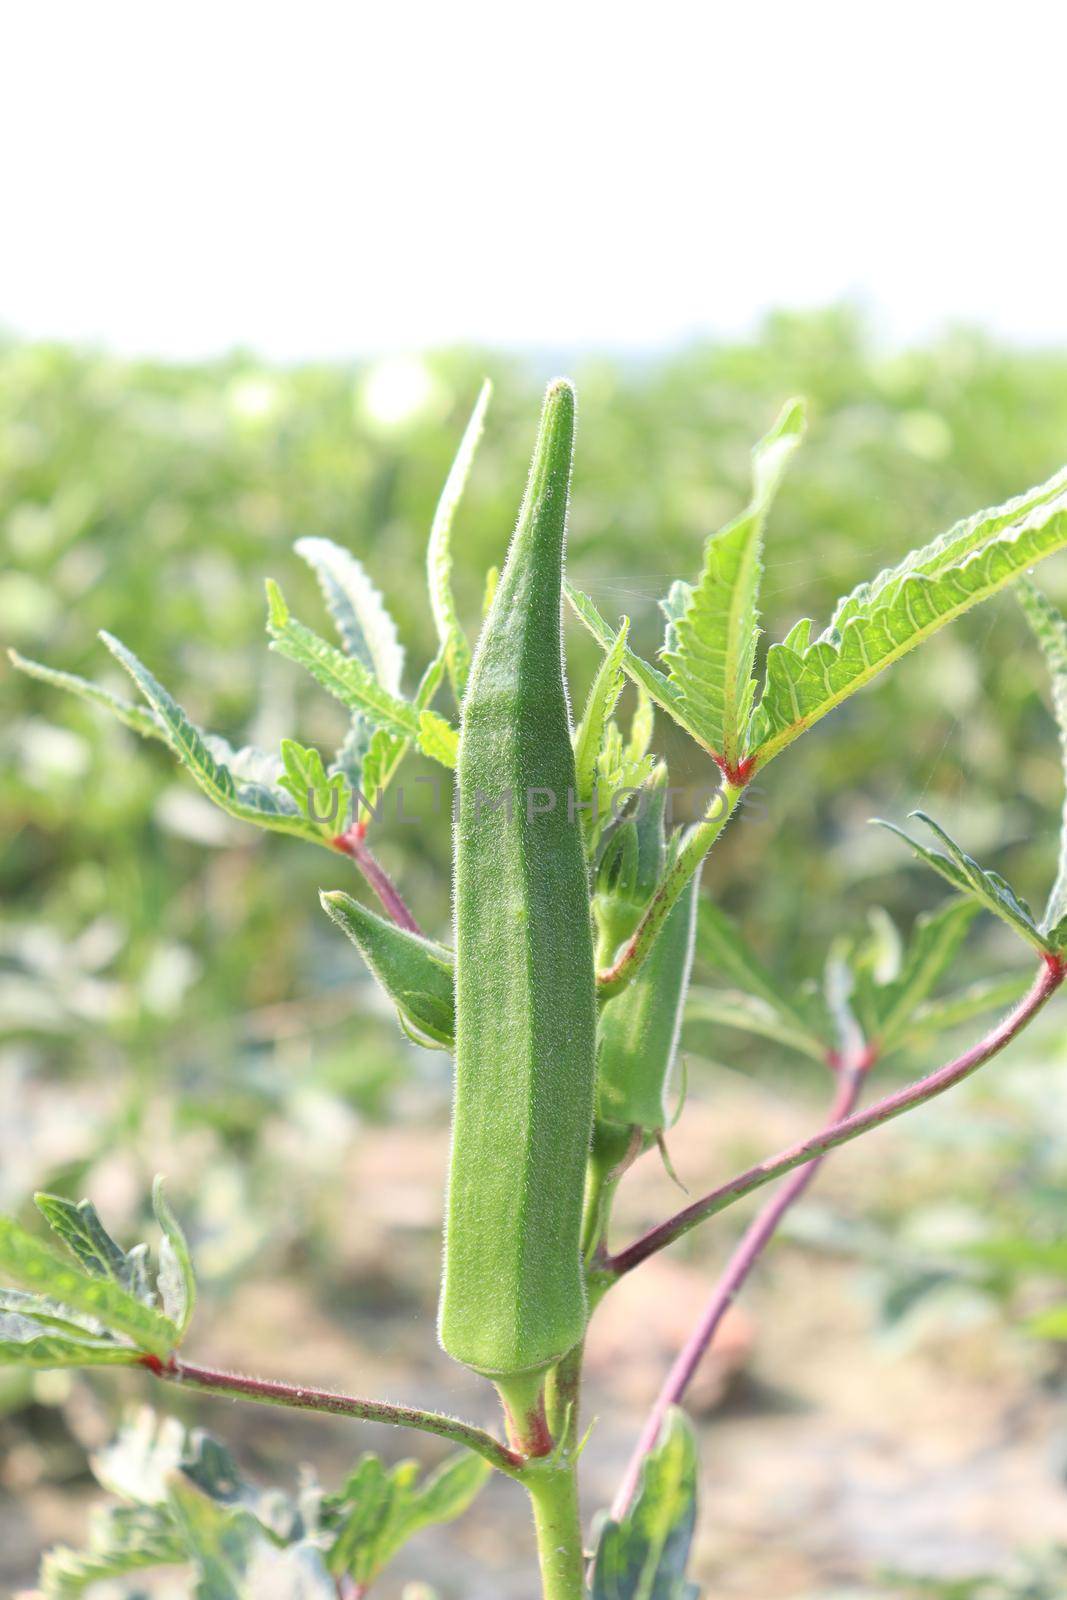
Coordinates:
[638,1030]
[513,1295]
[414,972]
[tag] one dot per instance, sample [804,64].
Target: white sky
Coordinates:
[318,179]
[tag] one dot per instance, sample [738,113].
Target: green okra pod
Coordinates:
[414,972]
[513,1295]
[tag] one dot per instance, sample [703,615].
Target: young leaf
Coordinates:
[1050,629]
[656,685]
[456,650]
[644,1556]
[989,889]
[321,797]
[365,627]
[599,708]
[415,973]
[732,1008]
[80,1228]
[714,625]
[135,717]
[379,1510]
[251,801]
[41,1270]
[176,1281]
[932,948]
[723,946]
[952,1010]
[882,620]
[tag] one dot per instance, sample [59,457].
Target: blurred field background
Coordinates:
[172,998]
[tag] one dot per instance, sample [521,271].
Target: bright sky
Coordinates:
[317,178]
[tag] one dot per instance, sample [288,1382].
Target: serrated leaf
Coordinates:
[644,1556]
[51,1314]
[724,947]
[454,645]
[882,620]
[122,1539]
[379,1510]
[79,1227]
[415,973]
[989,889]
[713,625]
[219,1542]
[438,739]
[367,631]
[40,1269]
[656,684]
[934,944]
[1050,630]
[321,797]
[134,717]
[176,1281]
[599,709]
[25,1342]
[267,806]
[732,1008]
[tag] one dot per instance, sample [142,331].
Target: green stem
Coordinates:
[558,1527]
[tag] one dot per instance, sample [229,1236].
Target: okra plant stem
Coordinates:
[1049,978]
[558,1529]
[757,1236]
[266,1392]
[353,843]
[696,844]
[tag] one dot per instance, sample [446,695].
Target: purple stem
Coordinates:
[353,844]
[753,1242]
[1048,980]
[288,1394]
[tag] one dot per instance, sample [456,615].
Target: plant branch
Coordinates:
[353,843]
[757,1236]
[1050,977]
[695,846]
[266,1392]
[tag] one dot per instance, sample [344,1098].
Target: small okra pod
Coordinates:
[513,1296]
[414,972]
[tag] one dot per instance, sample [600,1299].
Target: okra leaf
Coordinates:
[454,645]
[931,950]
[644,1556]
[724,947]
[220,1542]
[713,625]
[379,1509]
[208,759]
[367,631]
[122,1539]
[952,1010]
[176,1281]
[135,717]
[415,973]
[599,708]
[322,797]
[732,1008]
[882,620]
[656,684]
[79,1227]
[1050,629]
[987,888]
[27,1342]
[120,1312]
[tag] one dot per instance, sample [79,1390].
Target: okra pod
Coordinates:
[513,1296]
[414,972]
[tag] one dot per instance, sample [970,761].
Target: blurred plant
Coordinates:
[538,1152]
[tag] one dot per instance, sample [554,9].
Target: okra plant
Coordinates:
[560,994]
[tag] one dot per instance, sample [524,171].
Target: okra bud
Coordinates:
[513,1295]
[414,972]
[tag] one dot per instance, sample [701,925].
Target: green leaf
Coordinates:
[122,1539]
[644,1556]
[80,1228]
[365,627]
[321,797]
[932,948]
[882,620]
[207,759]
[1050,629]
[599,708]
[714,625]
[379,1510]
[454,645]
[724,947]
[40,1269]
[437,738]
[415,973]
[176,1281]
[989,889]
[220,1542]
[656,684]
[950,1011]
[25,1342]
[135,717]
[732,1008]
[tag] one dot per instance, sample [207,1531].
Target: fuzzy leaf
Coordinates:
[644,1556]
[41,1270]
[321,797]
[656,685]
[176,1281]
[454,645]
[267,805]
[380,1509]
[1050,629]
[135,717]
[415,973]
[80,1228]
[365,627]
[724,947]
[713,625]
[438,739]
[599,708]
[882,620]
[732,1008]
[989,889]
